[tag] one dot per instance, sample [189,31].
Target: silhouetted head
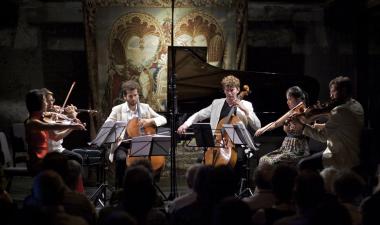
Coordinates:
[48,188]
[35,101]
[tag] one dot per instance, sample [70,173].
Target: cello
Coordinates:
[134,129]
[225,152]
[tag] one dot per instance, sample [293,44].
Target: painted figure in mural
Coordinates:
[295,146]
[221,108]
[128,111]
[146,84]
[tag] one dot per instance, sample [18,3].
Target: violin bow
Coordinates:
[68,94]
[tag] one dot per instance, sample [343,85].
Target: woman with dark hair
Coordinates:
[295,146]
[38,132]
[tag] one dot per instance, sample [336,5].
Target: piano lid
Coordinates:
[198,83]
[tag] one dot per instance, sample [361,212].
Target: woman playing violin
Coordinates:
[55,114]
[295,145]
[38,132]
[220,108]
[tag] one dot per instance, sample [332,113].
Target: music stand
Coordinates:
[151,145]
[203,135]
[109,133]
[239,135]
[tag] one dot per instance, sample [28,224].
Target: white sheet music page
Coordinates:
[141,145]
[117,131]
[229,128]
[109,132]
[103,133]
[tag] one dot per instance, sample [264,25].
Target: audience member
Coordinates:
[282,185]
[231,210]
[46,206]
[263,195]
[191,195]
[349,187]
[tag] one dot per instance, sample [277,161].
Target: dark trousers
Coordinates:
[120,158]
[73,155]
[241,163]
[313,162]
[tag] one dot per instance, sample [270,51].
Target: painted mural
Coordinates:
[128,40]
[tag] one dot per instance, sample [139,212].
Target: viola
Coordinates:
[225,153]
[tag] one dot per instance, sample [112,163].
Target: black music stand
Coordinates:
[239,135]
[151,145]
[203,135]
[108,134]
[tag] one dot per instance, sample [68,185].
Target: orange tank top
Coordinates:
[37,140]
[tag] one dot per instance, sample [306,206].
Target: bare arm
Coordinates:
[58,135]
[40,125]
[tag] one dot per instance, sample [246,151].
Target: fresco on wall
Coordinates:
[127,40]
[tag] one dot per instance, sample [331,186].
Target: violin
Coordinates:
[52,117]
[309,114]
[225,153]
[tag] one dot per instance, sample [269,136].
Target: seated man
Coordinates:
[127,111]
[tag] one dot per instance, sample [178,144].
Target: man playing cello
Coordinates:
[220,109]
[127,112]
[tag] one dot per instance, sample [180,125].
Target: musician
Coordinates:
[220,108]
[38,132]
[295,146]
[341,132]
[56,146]
[126,112]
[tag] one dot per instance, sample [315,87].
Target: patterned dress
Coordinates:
[294,147]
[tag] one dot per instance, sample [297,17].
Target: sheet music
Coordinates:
[239,135]
[229,128]
[116,133]
[148,145]
[245,135]
[109,132]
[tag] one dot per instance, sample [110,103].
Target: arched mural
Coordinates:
[136,44]
[200,29]
[128,39]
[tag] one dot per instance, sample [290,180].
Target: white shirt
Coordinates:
[56,146]
[342,135]
[213,112]
[123,113]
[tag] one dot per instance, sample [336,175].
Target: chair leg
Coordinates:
[9,184]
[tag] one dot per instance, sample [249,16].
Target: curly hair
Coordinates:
[230,81]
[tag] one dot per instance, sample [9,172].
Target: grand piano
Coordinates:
[194,84]
[198,83]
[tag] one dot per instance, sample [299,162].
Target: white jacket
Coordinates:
[213,112]
[122,113]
